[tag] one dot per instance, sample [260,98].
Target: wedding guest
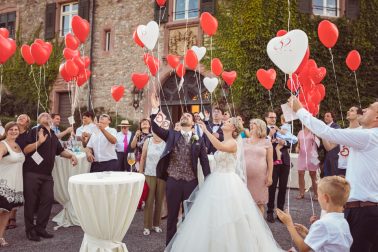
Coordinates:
[331,156]
[123,146]
[100,149]
[55,126]
[11,187]
[280,170]
[83,133]
[284,133]
[245,133]
[331,232]
[152,150]
[307,149]
[143,132]
[197,129]
[258,154]
[23,122]
[215,127]
[361,210]
[352,116]
[42,147]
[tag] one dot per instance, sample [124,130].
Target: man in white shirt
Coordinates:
[361,210]
[55,126]
[101,147]
[83,133]
[123,146]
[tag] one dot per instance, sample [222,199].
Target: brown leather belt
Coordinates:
[355,204]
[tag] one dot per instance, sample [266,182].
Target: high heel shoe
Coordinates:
[3,243]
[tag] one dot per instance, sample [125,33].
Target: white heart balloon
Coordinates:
[287,52]
[148,34]
[210,83]
[199,51]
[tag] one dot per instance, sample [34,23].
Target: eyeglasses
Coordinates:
[105,115]
[124,127]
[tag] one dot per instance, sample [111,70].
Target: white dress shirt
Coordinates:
[362,168]
[103,150]
[89,128]
[329,234]
[120,145]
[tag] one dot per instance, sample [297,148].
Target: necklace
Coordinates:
[13,146]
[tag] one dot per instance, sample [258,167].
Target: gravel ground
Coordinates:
[69,239]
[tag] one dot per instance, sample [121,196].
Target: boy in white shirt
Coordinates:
[331,233]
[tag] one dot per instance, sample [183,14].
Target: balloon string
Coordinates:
[1,82]
[358,91]
[116,113]
[270,99]
[225,97]
[232,100]
[289,15]
[337,86]
[178,92]
[40,88]
[44,86]
[198,78]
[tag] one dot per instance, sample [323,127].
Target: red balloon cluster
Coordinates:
[80,28]
[7,46]
[191,60]
[38,53]
[308,83]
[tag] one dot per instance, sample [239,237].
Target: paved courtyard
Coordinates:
[69,239]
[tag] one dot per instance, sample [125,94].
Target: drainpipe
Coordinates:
[90,87]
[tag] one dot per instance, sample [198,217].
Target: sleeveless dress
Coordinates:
[11,182]
[257,168]
[308,149]
[223,217]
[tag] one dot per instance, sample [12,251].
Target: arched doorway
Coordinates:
[188,99]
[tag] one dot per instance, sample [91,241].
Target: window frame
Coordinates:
[324,9]
[70,13]
[11,35]
[186,11]
[108,39]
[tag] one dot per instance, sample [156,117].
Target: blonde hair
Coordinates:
[261,127]
[238,128]
[336,187]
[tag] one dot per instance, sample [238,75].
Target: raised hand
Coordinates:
[207,114]
[155,103]
[302,230]
[203,126]
[285,217]
[41,137]
[294,103]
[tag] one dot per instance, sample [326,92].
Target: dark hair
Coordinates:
[359,110]
[268,112]
[144,120]
[332,114]
[7,127]
[190,113]
[89,114]
[53,115]
[218,108]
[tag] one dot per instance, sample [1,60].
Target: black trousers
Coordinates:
[331,166]
[111,165]
[280,176]
[177,191]
[123,165]
[38,197]
[363,224]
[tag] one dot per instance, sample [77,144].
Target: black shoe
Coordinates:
[32,235]
[44,234]
[270,217]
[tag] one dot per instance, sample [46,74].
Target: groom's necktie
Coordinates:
[186,137]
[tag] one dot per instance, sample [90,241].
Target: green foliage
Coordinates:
[245,28]
[20,94]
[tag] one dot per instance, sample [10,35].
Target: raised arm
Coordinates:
[162,133]
[229,146]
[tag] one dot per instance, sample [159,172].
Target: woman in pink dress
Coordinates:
[258,154]
[307,148]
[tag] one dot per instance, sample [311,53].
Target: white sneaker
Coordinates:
[146,232]
[157,229]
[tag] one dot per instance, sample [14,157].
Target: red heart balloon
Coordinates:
[353,60]
[153,64]
[180,70]
[229,77]
[328,33]
[317,74]
[7,49]
[312,108]
[216,66]
[315,96]
[208,23]
[63,73]
[173,60]
[322,91]
[80,28]
[39,53]
[293,83]
[71,68]
[117,92]
[83,77]
[71,41]
[48,47]
[266,78]
[79,62]
[140,80]
[26,54]
[191,60]
[161,3]
[70,54]
[87,61]
[4,32]
[39,41]
[304,61]
[137,40]
[280,33]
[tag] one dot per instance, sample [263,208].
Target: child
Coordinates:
[331,232]
[284,133]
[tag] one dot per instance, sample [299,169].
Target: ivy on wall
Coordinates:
[245,28]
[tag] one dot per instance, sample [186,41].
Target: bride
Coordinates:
[224,216]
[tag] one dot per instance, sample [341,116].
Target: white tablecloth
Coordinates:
[293,177]
[105,204]
[62,171]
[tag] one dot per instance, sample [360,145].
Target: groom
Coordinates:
[178,163]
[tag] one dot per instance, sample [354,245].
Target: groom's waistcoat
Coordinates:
[180,165]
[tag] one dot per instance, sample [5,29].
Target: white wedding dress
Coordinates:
[223,216]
